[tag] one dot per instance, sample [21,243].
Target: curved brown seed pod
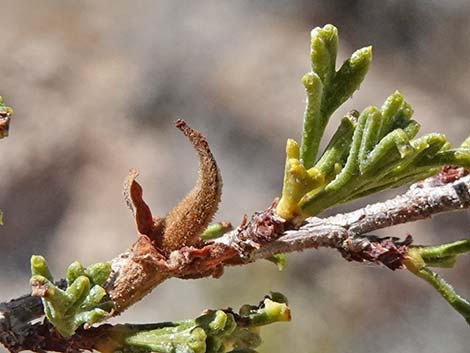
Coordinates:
[185,222]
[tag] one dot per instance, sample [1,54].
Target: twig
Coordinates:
[138,271]
[423,200]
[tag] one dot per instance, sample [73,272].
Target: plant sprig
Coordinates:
[422,258]
[82,302]
[370,152]
[216,331]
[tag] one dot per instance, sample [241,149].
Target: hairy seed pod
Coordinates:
[185,223]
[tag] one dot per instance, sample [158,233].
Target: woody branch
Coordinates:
[263,236]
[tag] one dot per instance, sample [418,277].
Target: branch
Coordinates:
[139,270]
[447,191]
[210,332]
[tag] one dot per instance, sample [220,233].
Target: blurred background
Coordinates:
[96,88]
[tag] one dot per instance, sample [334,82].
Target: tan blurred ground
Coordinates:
[96,87]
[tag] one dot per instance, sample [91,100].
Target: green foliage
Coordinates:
[327,88]
[370,152]
[216,331]
[80,303]
[421,258]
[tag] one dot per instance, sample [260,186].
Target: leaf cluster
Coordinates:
[370,151]
[81,302]
[216,331]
